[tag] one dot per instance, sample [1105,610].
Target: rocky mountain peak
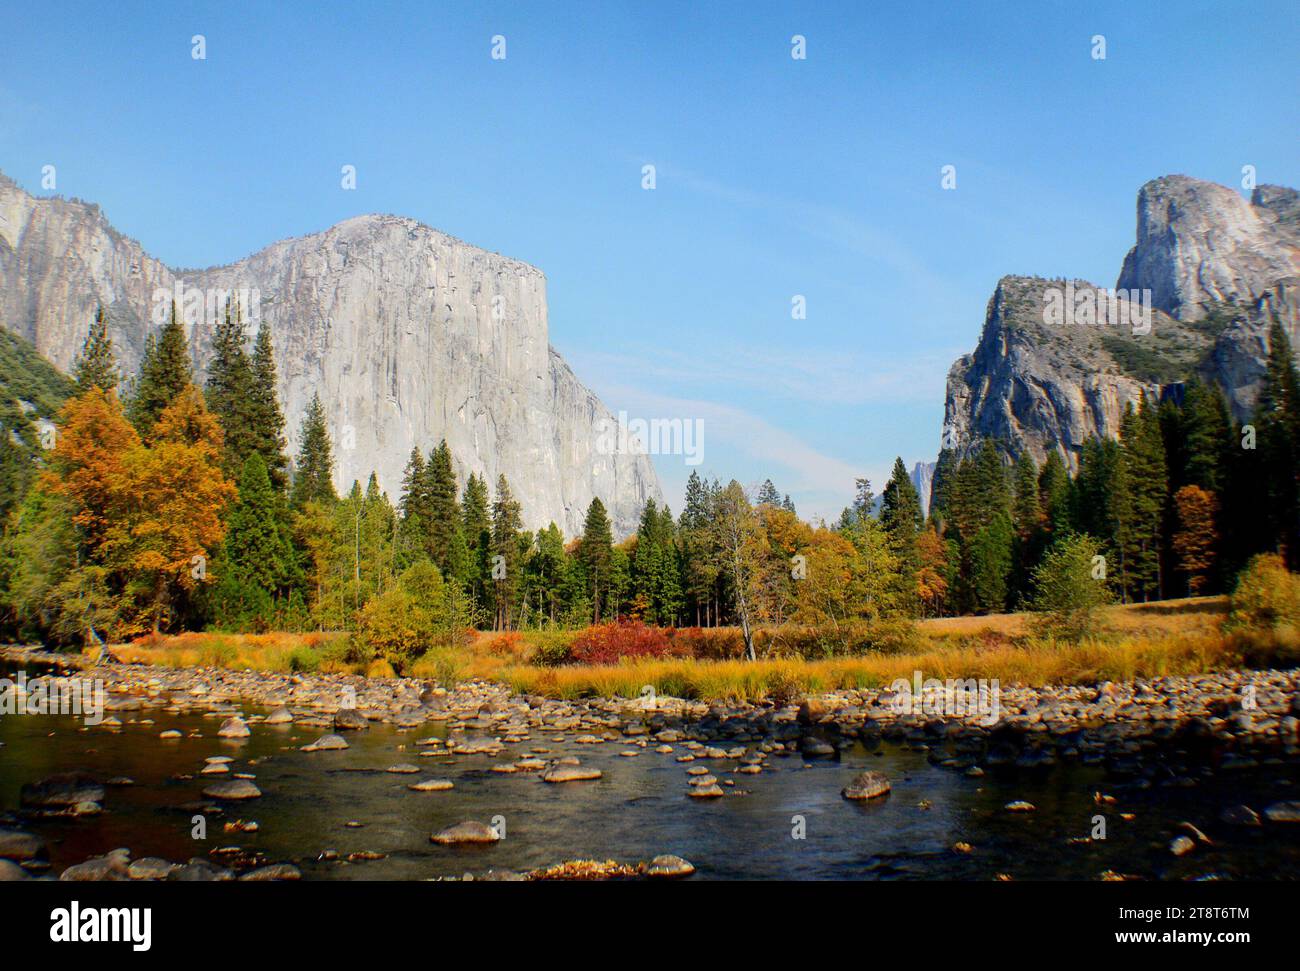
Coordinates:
[408,335]
[1200,244]
[1058,360]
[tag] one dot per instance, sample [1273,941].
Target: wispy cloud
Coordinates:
[803,470]
[817,376]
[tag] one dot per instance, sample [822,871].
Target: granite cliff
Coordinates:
[408,335]
[1058,360]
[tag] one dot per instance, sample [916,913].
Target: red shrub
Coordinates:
[607,643]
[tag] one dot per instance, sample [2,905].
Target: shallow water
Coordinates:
[637,810]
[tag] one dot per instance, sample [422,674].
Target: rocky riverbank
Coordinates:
[1163,732]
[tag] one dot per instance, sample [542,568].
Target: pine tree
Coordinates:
[165,372]
[1054,493]
[314,470]
[445,542]
[1027,519]
[228,391]
[1141,496]
[945,469]
[506,574]
[596,554]
[900,515]
[1277,423]
[767,494]
[267,418]
[476,527]
[96,366]
[698,556]
[259,558]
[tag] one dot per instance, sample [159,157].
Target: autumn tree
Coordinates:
[176,494]
[1195,540]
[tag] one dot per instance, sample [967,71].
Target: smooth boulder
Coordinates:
[868,785]
[466,832]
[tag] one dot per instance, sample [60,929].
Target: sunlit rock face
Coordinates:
[1216,267]
[408,335]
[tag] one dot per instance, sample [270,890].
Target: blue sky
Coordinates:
[775,176]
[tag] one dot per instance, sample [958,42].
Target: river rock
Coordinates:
[705,792]
[233,789]
[15,844]
[11,872]
[1239,816]
[350,720]
[868,785]
[200,871]
[151,868]
[466,832]
[403,768]
[276,871]
[110,867]
[326,743]
[1181,845]
[281,716]
[63,790]
[1020,806]
[668,865]
[234,728]
[431,785]
[570,773]
[1283,812]
[811,746]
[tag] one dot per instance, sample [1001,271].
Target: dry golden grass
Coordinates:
[277,651]
[1145,640]
[1029,662]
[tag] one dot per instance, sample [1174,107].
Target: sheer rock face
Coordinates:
[1219,269]
[407,335]
[923,481]
[1201,244]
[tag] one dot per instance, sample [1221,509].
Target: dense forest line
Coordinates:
[172,507]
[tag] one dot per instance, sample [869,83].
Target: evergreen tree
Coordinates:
[446,543]
[596,555]
[267,418]
[506,554]
[900,515]
[476,527]
[1054,493]
[1027,519]
[259,559]
[165,371]
[1277,425]
[314,470]
[96,366]
[767,494]
[229,391]
[945,469]
[1141,496]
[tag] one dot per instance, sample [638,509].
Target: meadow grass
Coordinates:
[1133,641]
